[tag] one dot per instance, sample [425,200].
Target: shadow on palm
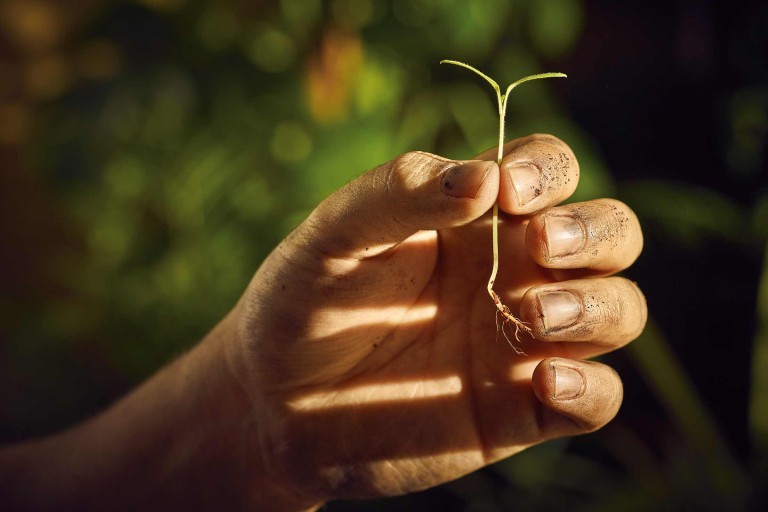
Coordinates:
[402,367]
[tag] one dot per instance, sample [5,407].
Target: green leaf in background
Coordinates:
[687,213]
[674,390]
[555,25]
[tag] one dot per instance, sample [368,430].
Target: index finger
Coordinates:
[537,171]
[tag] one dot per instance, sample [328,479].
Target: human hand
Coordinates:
[371,353]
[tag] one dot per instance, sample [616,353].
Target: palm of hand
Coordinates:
[402,369]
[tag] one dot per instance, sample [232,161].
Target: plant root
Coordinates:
[508,318]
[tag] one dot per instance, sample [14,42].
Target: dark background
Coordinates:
[153,152]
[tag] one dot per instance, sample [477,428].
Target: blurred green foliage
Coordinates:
[226,122]
[186,170]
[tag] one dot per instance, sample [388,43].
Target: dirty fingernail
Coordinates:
[526,180]
[559,309]
[569,382]
[564,235]
[466,179]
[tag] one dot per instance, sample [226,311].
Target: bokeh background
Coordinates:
[153,152]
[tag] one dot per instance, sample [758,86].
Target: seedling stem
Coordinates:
[502,104]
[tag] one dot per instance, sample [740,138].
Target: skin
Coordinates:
[364,359]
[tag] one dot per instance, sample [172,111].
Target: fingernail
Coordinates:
[558,309]
[526,180]
[569,382]
[564,235]
[466,179]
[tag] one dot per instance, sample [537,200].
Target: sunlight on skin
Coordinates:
[378,393]
[487,222]
[338,265]
[399,391]
[331,321]
[422,236]
[519,372]
[523,370]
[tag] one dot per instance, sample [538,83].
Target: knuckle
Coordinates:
[408,171]
[400,170]
[406,161]
[411,185]
[414,163]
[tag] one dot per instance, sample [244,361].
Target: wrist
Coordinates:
[187,438]
[268,484]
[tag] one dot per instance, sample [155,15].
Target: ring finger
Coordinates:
[609,312]
[597,237]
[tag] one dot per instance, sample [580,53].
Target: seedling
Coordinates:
[501,308]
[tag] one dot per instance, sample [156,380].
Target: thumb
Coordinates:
[415,191]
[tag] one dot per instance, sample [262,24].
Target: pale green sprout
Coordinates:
[502,103]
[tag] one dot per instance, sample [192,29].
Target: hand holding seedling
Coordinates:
[370,350]
[365,357]
[501,101]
